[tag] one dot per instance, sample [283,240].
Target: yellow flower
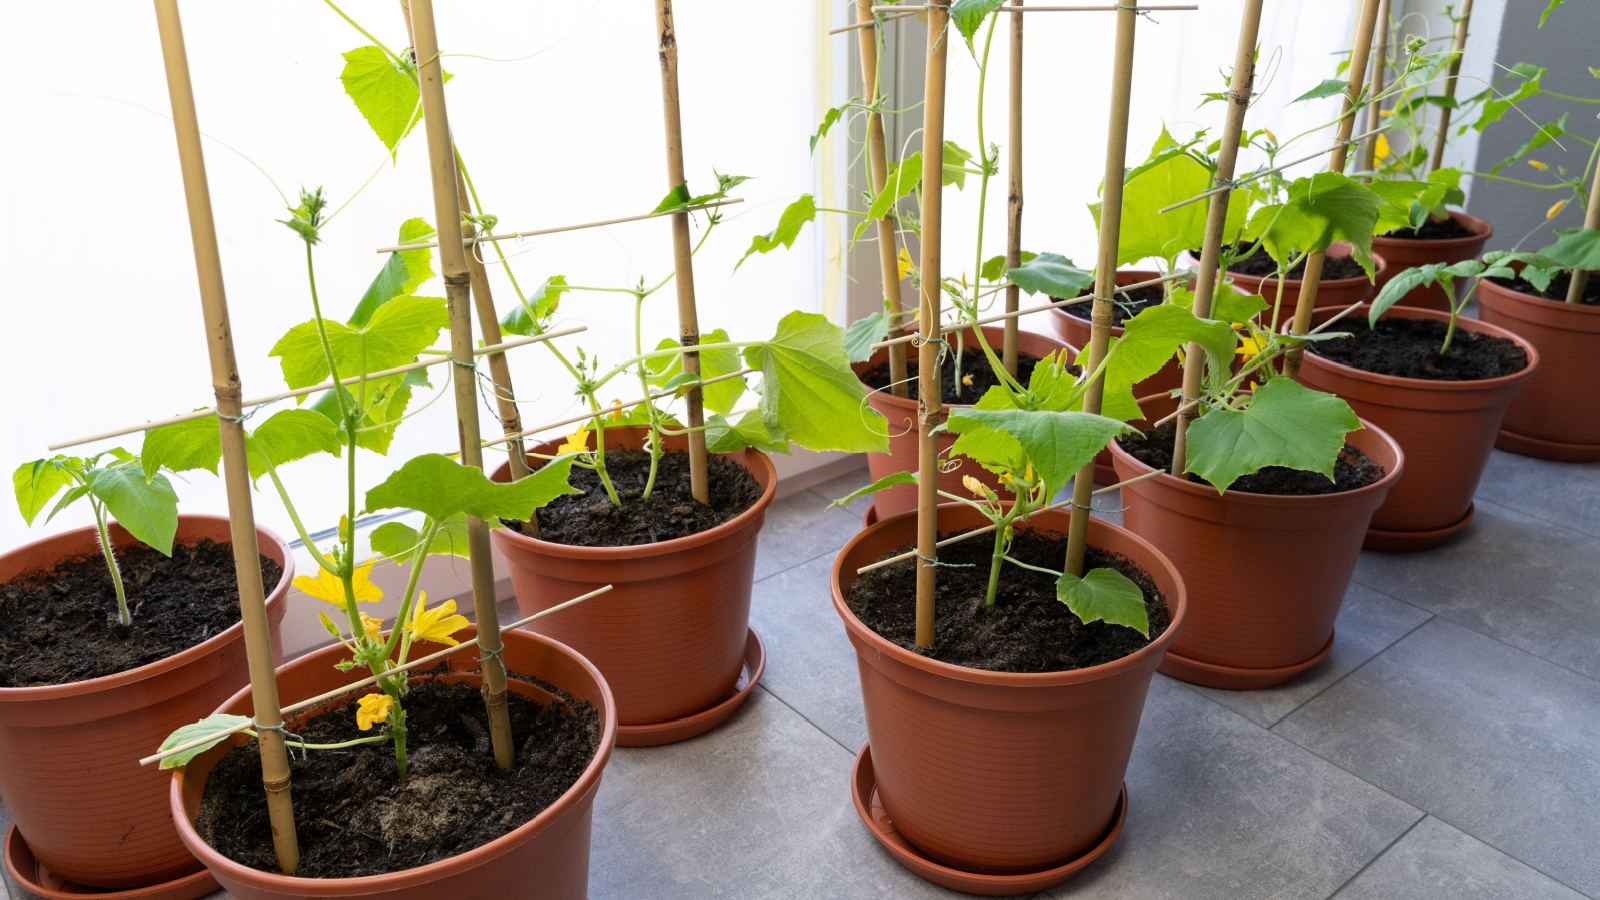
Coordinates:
[1556,209]
[616,416]
[373,627]
[577,442]
[436,625]
[1538,165]
[1386,113]
[373,709]
[1380,148]
[1270,136]
[978,488]
[329,588]
[1250,345]
[966,380]
[905,262]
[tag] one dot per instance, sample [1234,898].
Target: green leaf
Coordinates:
[182,447]
[400,542]
[675,198]
[829,119]
[290,435]
[1052,275]
[403,272]
[967,15]
[1404,283]
[1286,424]
[209,725]
[36,483]
[795,216]
[863,333]
[147,509]
[1146,231]
[545,300]
[1150,339]
[1554,4]
[1577,249]
[1058,444]
[720,397]
[439,487]
[723,436]
[994,268]
[887,481]
[1494,110]
[398,331]
[1104,595]
[1400,207]
[904,177]
[1330,87]
[809,393]
[1228,303]
[955,166]
[1321,209]
[385,93]
[1547,132]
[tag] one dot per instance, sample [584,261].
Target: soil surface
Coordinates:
[355,817]
[974,366]
[590,519]
[1409,348]
[1261,265]
[1354,469]
[1557,289]
[1123,306]
[1433,230]
[1028,630]
[60,626]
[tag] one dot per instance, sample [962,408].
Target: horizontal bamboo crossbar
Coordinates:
[615,407]
[368,681]
[1265,172]
[844,28]
[325,386]
[480,239]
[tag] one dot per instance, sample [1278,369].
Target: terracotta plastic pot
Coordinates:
[673,637]
[1557,415]
[997,773]
[1336,293]
[1403,254]
[902,415]
[1446,429]
[69,753]
[1265,574]
[548,855]
[1075,332]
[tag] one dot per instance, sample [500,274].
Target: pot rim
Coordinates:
[432,872]
[1177,606]
[1512,294]
[168,664]
[1463,322]
[1134,276]
[909,405]
[1482,230]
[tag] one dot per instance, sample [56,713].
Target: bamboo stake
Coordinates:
[868,24]
[620,406]
[1265,172]
[457,283]
[236,470]
[878,176]
[1457,46]
[683,252]
[559,229]
[1312,278]
[1380,63]
[1591,219]
[1239,92]
[930,409]
[1105,270]
[1014,195]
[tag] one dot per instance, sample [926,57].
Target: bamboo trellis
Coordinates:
[1008,351]
[1458,45]
[1380,64]
[877,178]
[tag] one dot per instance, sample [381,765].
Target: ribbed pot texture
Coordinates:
[997,772]
[1336,293]
[69,769]
[548,856]
[1557,415]
[1265,574]
[1445,428]
[670,637]
[1075,332]
[902,415]
[1404,254]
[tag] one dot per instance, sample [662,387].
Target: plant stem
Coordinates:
[103,531]
[299,527]
[429,531]
[997,559]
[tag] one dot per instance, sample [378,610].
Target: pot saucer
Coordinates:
[32,876]
[863,787]
[1235,678]
[1522,445]
[1412,541]
[657,733]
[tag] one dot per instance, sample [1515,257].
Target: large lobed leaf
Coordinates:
[720,397]
[809,394]
[1286,424]
[289,435]
[402,273]
[1056,444]
[1051,274]
[1150,339]
[1104,595]
[1321,209]
[398,331]
[439,488]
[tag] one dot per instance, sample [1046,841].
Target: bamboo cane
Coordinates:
[1380,63]
[857,26]
[562,229]
[1312,278]
[1105,270]
[1591,219]
[1239,92]
[457,283]
[1014,194]
[930,408]
[878,176]
[1457,46]
[236,471]
[683,252]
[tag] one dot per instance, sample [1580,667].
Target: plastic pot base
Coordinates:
[1234,678]
[1412,541]
[1522,445]
[656,734]
[32,876]
[864,789]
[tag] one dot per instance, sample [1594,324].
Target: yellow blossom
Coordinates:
[616,416]
[1386,113]
[1538,165]
[966,380]
[373,709]
[905,262]
[373,627]
[329,588]
[577,442]
[1270,136]
[978,488]
[1556,209]
[436,625]
[1380,148]
[1251,344]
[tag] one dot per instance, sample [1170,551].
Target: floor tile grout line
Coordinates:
[1380,855]
[1509,855]
[1359,667]
[1533,515]
[807,719]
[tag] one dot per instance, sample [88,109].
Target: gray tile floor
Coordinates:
[1448,748]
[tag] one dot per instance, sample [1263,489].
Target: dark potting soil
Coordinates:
[1409,348]
[1123,306]
[60,626]
[1557,289]
[356,817]
[976,375]
[590,519]
[1433,230]
[1353,469]
[1028,630]
[1261,265]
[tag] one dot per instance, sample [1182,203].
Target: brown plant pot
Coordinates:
[673,637]
[1404,254]
[1445,428]
[1008,780]
[69,769]
[1337,293]
[1075,332]
[1557,415]
[549,854]
[1265,574]
[902,415]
